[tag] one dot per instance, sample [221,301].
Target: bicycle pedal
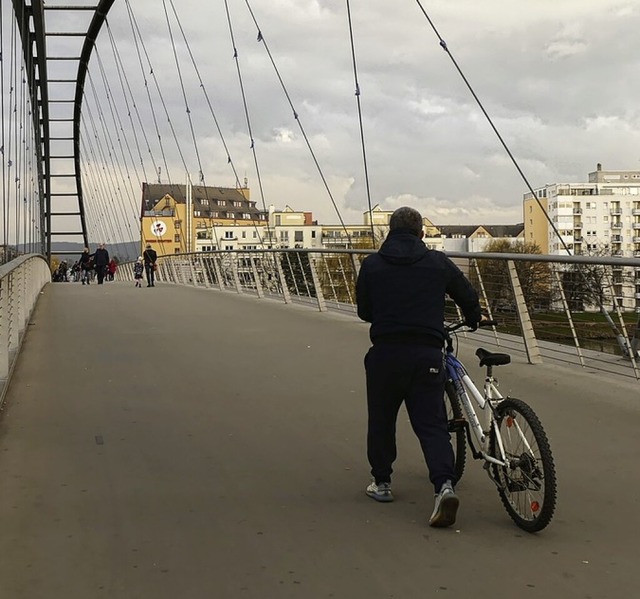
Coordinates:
[456,425]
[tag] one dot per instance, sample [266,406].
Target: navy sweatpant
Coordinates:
[415,375]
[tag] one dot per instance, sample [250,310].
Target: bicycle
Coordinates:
[509,439]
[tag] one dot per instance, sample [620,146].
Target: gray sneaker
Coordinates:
[380,492]
[446,507]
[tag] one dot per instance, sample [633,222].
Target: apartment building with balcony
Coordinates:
[600,217]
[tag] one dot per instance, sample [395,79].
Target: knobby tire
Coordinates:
[529,507]
[458,437]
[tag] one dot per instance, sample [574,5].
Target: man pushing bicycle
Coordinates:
[401,291]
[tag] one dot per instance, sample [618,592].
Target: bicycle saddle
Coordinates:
[488,358]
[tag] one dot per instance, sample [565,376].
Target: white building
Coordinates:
[601,217]
[598,218]
[286,229]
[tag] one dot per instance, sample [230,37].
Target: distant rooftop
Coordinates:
[604,176]
[493,230]
[206,199]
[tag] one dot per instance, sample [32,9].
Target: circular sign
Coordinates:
[158,228]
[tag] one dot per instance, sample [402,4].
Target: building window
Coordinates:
[228,234]
[177,238]
[298,236]
[197,213]
[313,234]
[177,224]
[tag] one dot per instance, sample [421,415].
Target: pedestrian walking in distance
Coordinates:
[101,261]
[138,269]
[150,257]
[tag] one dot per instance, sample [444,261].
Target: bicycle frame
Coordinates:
[525,479]
[465,389]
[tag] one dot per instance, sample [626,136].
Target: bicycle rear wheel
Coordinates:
[456,429]
[527,486]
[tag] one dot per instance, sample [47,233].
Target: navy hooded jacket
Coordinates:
[401,291]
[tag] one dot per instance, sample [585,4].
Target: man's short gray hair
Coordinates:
[406,218]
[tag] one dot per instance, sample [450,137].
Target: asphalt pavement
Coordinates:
[186,443]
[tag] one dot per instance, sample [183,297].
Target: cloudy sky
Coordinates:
[560,79]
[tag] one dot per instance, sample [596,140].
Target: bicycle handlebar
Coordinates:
[458,325]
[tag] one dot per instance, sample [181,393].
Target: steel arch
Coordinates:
[32,26]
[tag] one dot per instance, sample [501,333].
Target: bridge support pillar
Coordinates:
[322,305]
[528,334]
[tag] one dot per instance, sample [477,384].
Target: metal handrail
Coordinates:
[547,310]
[21,281]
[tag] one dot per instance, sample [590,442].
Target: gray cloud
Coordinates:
[558,78]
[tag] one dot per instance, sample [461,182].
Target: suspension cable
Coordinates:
[160,94]
[364,152]
[184,95]
[5,239]
[124,83]
[445,47]
[128,93]
[206,95]
[134,28]
[10,137]
[115,115]
[201,177]
[113,163]
[296,116]
[270,235]
[215,119]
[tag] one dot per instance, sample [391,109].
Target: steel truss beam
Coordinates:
[30,17]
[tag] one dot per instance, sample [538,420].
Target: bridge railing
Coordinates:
[575,309]
[21,281]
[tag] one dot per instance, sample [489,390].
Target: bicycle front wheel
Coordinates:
[456,430]
[527,485]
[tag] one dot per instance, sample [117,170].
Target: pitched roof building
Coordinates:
[170,225]
[208,201]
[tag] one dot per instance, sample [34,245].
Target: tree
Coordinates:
[296,267]
[590,285]
[535,277]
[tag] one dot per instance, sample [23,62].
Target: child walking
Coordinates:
[138,270]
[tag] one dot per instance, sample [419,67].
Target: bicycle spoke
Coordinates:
[527,484]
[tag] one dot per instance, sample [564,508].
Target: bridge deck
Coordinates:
[176,442]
